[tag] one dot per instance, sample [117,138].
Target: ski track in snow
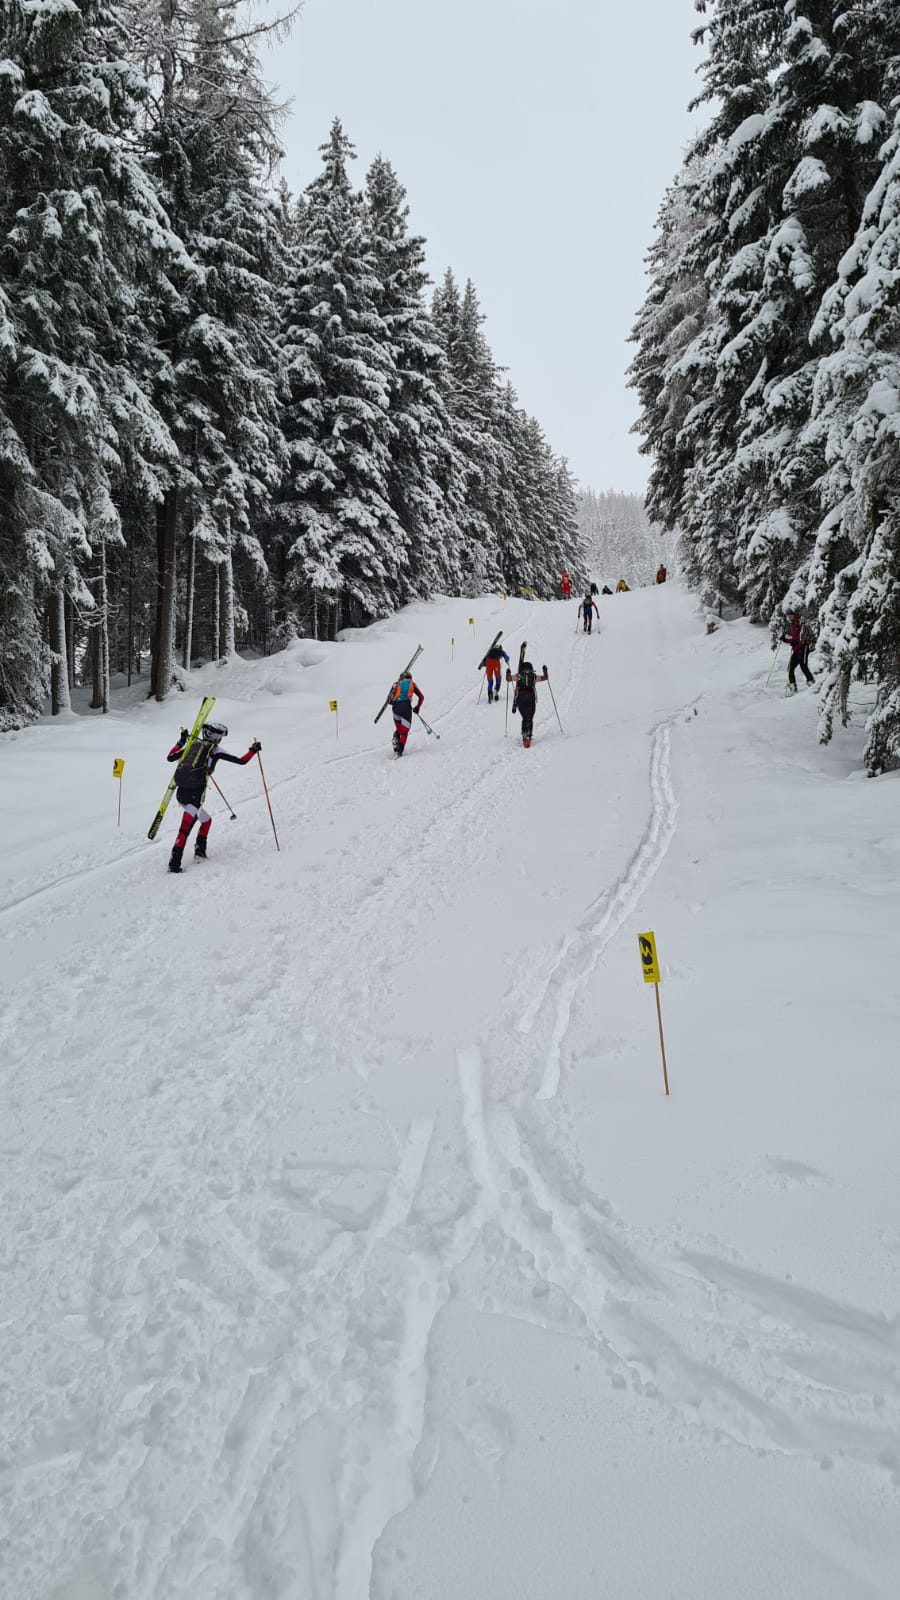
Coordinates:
[582,950]
[240,1400]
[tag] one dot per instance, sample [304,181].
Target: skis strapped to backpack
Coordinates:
[408,668]
[522,648]
[202,715]
[492,647]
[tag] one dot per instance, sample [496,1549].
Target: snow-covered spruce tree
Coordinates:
[346,551]
[827,112]
[81,236]
[422,487]
[855,571]
[666,333]
[212,146]
[799,92]
[471,395]
[737,198]
[538,535]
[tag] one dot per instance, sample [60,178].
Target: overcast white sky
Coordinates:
[535,139]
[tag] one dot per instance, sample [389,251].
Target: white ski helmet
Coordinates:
[214,732]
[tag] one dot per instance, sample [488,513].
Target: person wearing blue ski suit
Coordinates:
[491,665]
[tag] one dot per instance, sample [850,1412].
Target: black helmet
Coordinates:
[213,732]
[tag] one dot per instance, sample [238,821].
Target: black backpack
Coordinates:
[526,678]
[191,772]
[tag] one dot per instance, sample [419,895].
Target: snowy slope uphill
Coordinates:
[295,1141]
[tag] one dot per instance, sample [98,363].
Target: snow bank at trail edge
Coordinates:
[350,1245]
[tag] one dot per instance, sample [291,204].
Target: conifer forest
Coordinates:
[229,415]
[768,345]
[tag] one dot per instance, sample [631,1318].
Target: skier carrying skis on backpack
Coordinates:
[192,776]
[800,649]
[588,607]
[401,704]
[491,665]
[525,697]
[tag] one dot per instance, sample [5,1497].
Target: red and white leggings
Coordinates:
[402,721]
[191,815]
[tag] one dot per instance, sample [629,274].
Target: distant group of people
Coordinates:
[565,586]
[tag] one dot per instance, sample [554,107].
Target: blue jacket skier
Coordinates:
[588,607]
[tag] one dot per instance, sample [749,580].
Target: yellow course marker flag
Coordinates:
[332,705]
[118,768]
[649,962]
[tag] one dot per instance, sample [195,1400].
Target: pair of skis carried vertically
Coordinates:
[408,668]
[492,646]
[522,648]
[202,715]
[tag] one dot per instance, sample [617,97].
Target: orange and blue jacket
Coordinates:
[403,691]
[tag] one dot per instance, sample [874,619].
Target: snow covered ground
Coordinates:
[351,1248]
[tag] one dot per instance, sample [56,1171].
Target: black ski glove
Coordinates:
[545,672]
[184,736]
[255,748]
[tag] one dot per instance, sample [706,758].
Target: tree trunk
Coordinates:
[130,643]
[189,604]
[226,606]
[100,634]
[164,642]
[216,608]
[59,674]
[70,642]
[94,657]
[103,650]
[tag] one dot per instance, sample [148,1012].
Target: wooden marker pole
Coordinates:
[118,769]
[650,969]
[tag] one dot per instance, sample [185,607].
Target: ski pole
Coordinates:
[222,797]
[553,698]
[774,659]
[506,723]
[483,676]
[268,801]
[426,726]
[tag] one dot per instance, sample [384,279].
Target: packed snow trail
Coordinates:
[351,1246]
